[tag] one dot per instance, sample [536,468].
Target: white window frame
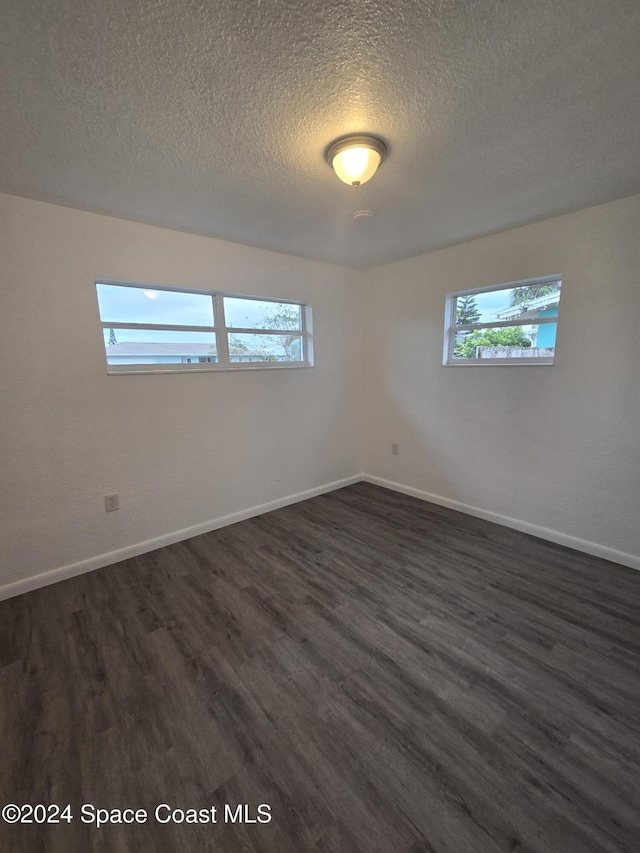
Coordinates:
[450,326]
[219,328]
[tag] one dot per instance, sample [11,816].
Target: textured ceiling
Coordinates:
[212,116]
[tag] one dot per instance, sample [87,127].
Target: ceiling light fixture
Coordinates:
[355,159]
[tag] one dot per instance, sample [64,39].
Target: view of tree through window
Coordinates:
[523,295]
[467,345]
[512,323]
[467,310]
[280,325]
[149,329]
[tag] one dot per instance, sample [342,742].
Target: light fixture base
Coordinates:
[355,140]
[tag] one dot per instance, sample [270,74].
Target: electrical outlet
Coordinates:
[112,502]
[395,449]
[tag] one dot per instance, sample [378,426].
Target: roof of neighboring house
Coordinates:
[134,348]
[532,306]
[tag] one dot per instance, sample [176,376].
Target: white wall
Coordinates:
[181,450]
[557,447]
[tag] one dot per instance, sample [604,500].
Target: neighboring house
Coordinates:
[130,352]
[543,336]
[156,353]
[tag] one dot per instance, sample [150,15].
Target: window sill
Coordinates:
[498,362]
[147,369]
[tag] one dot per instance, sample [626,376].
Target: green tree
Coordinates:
[237,344]
[283,317]
[467,310]
[522,295]
[514,337]
[236,348]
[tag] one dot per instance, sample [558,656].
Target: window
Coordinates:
[511,324]
[148,329]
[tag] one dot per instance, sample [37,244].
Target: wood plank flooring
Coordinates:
[387,675]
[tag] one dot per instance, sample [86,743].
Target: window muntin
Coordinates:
[513,323]
[160,336]
[152,329]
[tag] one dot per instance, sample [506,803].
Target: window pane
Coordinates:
[531,341]
[152,346]
[261,348]
[145,305]
[259,314]
[509,304]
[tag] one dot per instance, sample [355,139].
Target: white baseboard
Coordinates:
[593,548]
[73,569]
[98,562]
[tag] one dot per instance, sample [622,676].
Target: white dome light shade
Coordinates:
[356,158]
[356,165]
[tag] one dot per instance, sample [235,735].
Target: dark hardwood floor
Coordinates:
[387,675]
